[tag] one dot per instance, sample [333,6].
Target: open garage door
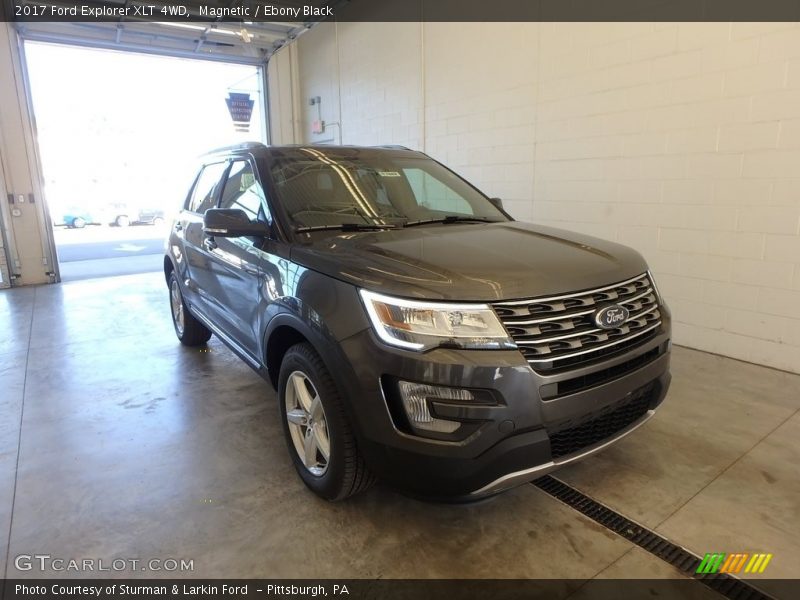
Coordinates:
[119,135]
[211,37]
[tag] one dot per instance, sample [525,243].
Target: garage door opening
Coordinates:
[119,135]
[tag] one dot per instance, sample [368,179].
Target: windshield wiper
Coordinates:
[346,227]
[451,219]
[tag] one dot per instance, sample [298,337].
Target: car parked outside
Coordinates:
[78,218]
[125,214]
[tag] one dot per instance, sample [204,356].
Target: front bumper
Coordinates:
[537,423]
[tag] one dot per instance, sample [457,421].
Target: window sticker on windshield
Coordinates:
[388,173]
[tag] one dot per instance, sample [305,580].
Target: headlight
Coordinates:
[419,325]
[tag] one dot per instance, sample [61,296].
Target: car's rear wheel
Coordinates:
[318,432]
[78,223]
[122,221]
[189,330]
[158,222]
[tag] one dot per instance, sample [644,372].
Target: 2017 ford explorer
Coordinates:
[414,331]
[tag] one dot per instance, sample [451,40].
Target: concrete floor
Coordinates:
[117,441]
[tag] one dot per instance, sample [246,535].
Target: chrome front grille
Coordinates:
[560,331]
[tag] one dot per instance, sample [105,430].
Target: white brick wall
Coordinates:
[680,139]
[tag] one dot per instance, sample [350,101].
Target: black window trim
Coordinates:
[250,160]
[278,230]
[280,233]
[217,189]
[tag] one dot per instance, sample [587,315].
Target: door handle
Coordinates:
[210,244]
[250,270]
[178,226]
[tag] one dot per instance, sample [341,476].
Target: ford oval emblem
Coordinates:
[611,317]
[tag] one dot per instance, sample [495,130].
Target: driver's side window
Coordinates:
[243,191]
[204,192]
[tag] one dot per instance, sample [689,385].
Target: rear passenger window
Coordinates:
[204,193]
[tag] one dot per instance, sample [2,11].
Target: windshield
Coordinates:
[321,187]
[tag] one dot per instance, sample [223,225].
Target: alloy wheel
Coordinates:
[176,302]
[308,425]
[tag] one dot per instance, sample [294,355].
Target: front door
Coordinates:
[189,225]
[234,265]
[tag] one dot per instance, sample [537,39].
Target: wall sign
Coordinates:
[241,108]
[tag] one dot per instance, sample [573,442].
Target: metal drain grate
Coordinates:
[678,557]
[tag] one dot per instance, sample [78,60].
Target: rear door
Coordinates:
[234,262]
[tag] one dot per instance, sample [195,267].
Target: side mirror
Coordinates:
[498,203]
[232,222]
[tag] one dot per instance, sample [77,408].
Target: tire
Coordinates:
[158,222]
[343,473]
[122,221]
[189,330]
[78,223]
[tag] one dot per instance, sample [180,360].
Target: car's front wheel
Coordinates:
[318,433]
[189,330]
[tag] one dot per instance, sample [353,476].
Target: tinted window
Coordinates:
[243,191]
[332,186]
[203,194]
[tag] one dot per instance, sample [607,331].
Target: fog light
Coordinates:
[415,398]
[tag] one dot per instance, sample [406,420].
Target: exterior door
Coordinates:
[190,224]
[234,262]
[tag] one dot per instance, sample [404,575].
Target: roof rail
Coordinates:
[242,146]
[392,146]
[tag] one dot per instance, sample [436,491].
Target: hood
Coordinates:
[470,262]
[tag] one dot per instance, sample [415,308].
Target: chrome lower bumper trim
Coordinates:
[519,477]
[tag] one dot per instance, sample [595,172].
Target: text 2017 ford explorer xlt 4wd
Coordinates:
[414,331]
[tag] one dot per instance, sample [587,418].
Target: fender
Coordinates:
[329,350]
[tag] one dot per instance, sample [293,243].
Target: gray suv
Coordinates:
[414,331]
